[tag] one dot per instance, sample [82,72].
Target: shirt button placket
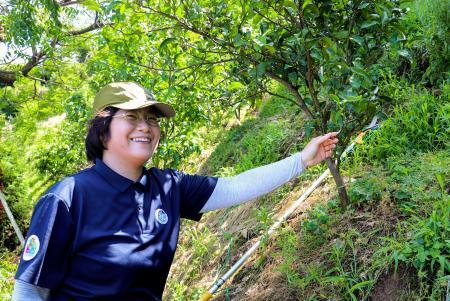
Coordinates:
[138,198]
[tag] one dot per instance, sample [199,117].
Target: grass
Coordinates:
[8,266]
[395,220]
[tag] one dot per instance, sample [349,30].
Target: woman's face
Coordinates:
[134,136]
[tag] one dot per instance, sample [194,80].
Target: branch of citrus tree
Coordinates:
[68,2]
[229,46]
[136,32]
[291,17]
[93,26]
[294,92]
[187,67]
[301,23]
[278,11]
[348,57]
[280,96]
[184,24]
[309,74]
[273,22]
[310,84]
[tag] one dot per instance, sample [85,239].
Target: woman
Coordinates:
[110,231]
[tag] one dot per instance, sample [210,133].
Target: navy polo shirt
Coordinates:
[99,236]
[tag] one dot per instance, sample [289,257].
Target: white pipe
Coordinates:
[12,220]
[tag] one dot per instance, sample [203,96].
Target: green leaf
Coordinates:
[164,43]
[261,69]
[355,82]
[405,53]
[311,8]
[235,86]
[363,5]
[361,284]
[340,34]
[306,3]
[361,72]
[293,77]
[384,17]
[359,40]
[368,24]
[91,4]
[238,41]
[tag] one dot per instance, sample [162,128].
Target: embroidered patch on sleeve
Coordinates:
[31,248]
[161,216]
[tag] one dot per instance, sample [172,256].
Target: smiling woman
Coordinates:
[110,231]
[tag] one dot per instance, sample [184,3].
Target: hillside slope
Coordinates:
[392,243]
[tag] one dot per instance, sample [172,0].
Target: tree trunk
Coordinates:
[339,182]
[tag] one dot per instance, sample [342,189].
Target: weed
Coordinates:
[7,271]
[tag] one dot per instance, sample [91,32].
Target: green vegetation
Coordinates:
[393,238]
[397,222]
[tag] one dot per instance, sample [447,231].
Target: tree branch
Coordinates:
[187,67]
[294,92]
[68,2]
[280,96]
[273,22]
[94,26]
[7,78]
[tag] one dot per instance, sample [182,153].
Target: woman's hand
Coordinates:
[319,148]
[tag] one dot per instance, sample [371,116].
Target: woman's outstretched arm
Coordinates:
[256,182]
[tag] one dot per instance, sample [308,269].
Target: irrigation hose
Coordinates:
[218,283]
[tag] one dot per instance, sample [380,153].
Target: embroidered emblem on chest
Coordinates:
[31,248]
[161,216]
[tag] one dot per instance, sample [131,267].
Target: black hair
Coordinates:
[98,133]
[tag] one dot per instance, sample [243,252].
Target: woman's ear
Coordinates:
[104,141]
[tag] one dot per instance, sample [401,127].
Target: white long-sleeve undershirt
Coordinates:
[253,183]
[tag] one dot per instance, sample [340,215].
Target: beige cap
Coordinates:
[128,96]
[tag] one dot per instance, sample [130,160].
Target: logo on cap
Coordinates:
[161,216]
[31,248]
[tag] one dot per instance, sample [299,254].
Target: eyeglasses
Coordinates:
[135,118]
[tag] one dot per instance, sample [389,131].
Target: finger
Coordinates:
[326,137]
[329,142]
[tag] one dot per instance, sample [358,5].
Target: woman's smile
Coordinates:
[145,140]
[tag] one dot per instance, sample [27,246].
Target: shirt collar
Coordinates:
[116,180]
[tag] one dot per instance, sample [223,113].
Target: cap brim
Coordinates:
[165,109]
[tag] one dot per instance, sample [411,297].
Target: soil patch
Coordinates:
[393,285]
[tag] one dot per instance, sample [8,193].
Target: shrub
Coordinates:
[427,57]
[419,124]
